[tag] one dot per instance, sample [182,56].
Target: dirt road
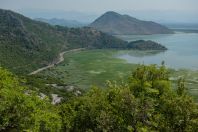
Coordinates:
[60,59]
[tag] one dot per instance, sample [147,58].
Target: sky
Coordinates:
[183,11]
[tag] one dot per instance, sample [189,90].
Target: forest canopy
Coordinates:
[144,102]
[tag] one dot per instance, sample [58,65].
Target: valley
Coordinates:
[117,74]
[54,51]
[85,69]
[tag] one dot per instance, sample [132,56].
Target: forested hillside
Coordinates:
[144,102]
[26,44]
[145,45]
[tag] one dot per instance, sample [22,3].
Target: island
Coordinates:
[145,45]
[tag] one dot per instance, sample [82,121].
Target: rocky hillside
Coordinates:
[116,24]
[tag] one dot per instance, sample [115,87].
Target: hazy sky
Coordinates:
[159,10]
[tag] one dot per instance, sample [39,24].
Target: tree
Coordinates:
[22,109]
[146,102]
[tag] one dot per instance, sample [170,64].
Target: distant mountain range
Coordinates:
[62,22]
[116,24]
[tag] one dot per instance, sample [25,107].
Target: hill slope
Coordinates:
[116,24]
[26,45]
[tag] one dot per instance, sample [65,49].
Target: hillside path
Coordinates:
[59,60]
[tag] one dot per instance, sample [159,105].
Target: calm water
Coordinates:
[182,50]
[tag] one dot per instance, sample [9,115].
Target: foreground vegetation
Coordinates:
[22,109]
[143,102]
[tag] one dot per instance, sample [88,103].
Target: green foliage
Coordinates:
[145,45]
[50,85]
[26,45]
[90,67]
[145,103]
[22,109]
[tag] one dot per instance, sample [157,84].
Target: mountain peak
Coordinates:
[111,13]
[116,24]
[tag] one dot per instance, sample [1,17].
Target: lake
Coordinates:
[182,50]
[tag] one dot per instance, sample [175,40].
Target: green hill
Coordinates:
[117,24]
[26,44]
[145,45]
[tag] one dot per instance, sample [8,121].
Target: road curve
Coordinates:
[60,59]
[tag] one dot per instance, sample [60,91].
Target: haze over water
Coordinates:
[182,50]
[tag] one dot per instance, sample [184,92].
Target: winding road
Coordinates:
[60,59]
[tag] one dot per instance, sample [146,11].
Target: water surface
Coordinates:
[182,50]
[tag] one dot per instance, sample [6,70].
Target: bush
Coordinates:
[145,103]
[22,109]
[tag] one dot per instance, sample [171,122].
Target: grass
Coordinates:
[92,67]
[84,69]
[191,80]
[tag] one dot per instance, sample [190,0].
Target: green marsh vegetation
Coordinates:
[84,69]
